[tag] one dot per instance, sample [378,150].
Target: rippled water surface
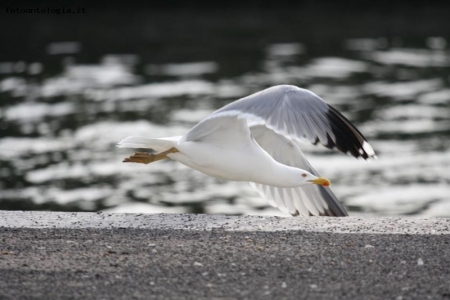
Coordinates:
[62,115]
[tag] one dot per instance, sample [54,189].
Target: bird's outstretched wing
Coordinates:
[298,114]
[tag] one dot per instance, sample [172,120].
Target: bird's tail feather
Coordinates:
[159,144]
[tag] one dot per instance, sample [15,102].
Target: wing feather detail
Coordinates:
[299,114]
[306,200]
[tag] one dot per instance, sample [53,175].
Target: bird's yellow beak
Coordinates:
[321,181]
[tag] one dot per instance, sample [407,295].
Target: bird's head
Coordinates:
[309,178]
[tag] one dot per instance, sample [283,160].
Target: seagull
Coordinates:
[258,139]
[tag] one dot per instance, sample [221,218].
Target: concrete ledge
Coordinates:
[384,225]
[48,255]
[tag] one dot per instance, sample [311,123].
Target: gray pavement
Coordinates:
[126,256]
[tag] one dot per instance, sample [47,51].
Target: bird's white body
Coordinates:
[241,163]
[255,139]
[203,157]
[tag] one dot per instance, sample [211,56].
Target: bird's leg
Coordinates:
[146,158]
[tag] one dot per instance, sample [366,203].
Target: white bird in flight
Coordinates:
[258,139]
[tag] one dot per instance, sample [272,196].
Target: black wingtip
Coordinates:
[348,138]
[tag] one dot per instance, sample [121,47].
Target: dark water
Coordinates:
[71,87]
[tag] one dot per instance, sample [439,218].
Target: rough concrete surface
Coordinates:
[54,256]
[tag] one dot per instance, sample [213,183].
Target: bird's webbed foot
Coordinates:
[146,157]
[141,158]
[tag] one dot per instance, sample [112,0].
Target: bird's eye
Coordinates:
[304,175]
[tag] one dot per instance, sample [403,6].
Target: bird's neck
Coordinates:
[280,175]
